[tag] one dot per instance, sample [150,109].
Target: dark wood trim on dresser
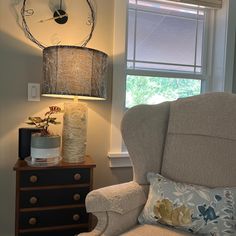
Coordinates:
[51,200]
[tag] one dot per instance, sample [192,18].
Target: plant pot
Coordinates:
[45,149]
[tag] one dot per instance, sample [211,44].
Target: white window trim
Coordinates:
[119,66]
[116,157]
[119,160]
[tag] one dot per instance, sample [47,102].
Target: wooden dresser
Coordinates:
[50,201]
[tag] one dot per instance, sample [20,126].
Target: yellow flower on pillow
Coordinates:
[181,216]
[167,214]
[163,210]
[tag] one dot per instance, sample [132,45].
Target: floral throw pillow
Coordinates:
[196,209]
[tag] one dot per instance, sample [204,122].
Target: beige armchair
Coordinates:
[191,140]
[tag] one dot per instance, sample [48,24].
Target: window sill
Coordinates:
[119,160]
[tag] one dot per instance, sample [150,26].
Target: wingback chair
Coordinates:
[191,140]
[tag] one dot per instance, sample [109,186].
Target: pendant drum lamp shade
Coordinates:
[71,71]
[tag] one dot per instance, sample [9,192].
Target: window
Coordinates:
[165,56]
[164,50]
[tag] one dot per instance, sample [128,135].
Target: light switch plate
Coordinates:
[33,92]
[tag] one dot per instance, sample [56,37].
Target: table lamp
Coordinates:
[78,73]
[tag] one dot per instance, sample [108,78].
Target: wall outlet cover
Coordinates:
[33,92]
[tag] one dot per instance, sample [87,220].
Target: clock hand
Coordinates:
[52,18]
[58,13]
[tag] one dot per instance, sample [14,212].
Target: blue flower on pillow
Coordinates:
[208,213]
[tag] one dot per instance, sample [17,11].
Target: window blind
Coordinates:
[167,38]
[205,3]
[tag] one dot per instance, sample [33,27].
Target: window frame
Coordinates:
[116,155]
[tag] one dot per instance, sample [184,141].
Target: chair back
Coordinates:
[191,140]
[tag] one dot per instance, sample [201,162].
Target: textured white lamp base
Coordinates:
[74,132]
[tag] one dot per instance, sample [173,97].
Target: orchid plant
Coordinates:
[43,123]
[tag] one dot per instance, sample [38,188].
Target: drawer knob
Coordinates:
[33,178]
[77,177]
[32,221]
[76,197]
[76,217]
[33,200]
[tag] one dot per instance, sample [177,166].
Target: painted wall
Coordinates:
[21,63]
[223,55]
[230,48]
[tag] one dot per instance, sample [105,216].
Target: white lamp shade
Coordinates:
[71,71]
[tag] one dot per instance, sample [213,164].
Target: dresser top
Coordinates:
[88,163]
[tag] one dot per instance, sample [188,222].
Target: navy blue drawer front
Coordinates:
[71,232]
[47,218]
[49,177]
[53,197]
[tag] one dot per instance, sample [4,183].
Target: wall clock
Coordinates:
[58,22]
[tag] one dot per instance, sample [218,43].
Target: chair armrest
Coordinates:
[116,207]
[114,224]
[120,198]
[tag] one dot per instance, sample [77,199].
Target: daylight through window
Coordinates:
[165,51]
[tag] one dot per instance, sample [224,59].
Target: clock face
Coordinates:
[58,22]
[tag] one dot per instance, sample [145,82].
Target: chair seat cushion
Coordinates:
[150,230]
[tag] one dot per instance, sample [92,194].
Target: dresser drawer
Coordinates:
[50,201]
[47,218]
[49,177]
[53,197]
[71,232]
